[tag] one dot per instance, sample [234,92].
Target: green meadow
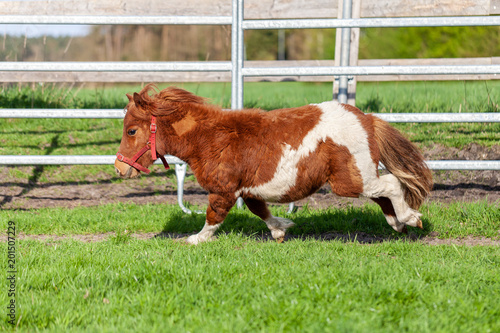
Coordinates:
[241,282]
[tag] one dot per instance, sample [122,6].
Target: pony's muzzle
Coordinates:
[123,170]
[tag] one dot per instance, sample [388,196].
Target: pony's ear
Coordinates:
[139,101]
[130,98]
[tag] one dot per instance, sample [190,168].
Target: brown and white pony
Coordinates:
[277,156]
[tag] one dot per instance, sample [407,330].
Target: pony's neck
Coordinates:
[185,133]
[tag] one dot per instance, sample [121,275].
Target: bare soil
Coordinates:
[450,186]
[360,237]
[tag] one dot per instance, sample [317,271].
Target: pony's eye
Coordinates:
[132,132]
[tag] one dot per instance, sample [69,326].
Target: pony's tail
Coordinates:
[403,159]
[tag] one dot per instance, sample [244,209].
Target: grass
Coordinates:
[450,220]
[421,96]
[239,285]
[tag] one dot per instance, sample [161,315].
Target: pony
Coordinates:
[277,156]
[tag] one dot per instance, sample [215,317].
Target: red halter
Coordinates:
[150,145]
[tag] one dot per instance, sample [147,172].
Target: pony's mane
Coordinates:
[167,100]
[169,95]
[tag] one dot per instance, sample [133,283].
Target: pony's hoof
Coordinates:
[419,224]
[278,233]
[195,239]
[192,240]
[404,230]
[280,240]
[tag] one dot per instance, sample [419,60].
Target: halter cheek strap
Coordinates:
[150,145]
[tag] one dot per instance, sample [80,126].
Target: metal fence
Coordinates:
[239,72]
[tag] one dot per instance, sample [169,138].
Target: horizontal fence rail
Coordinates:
[489,117]
[469,117]
[373,70]
[70,160]
[382,22]
[63,113]
[115,20]
[116,66]
[224,75]
[221,66]
[17,160]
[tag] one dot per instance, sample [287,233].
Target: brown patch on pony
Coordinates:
[345,178]
[403,159]
[386,205]
[329,162]
[293,124]
[258,207]
[366,121]
[267,133]
[184,125]
[219,206]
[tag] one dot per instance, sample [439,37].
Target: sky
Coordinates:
[38,30]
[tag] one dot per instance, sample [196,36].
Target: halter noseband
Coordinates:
[150,145]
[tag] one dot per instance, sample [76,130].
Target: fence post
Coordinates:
[353,50]
[345,51]
[237,55]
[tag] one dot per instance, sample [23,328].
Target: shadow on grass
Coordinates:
[447,187]
[36,174]
[364,224]
[163,174]
[48,131]
[76,145]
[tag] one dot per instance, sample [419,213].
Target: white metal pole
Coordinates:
[237,55]
[345,53]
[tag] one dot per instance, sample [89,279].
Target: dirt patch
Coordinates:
[22,193]
[360,237]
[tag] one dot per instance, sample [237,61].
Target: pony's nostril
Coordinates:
[117,171]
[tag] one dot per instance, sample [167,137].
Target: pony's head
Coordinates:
[168,105]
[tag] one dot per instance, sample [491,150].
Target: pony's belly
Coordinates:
[274,195]
[288,183]
[270,192]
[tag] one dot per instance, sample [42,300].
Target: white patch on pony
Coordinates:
[278,226]
[206,234]
[336,123]
[394,223]
[389,186]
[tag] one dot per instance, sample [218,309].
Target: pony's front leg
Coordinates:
[219,206]
[277,225]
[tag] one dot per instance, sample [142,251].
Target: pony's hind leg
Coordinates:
[219,206]
[388,186]
[277,225]
[390,214]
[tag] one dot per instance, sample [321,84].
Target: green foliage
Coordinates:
[237,284]
[429,42]
[379,43]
